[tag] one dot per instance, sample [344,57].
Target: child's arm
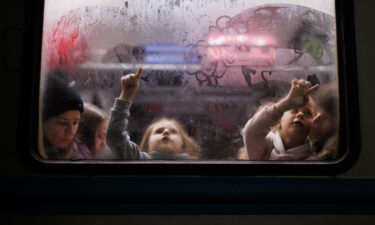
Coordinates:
[257,143]
[255,132]
[117,137]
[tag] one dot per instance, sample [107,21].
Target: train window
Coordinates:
[253,85]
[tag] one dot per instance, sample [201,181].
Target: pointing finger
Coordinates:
[294,82]
[138,73]
[310,90]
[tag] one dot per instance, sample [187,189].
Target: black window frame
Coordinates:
[349,133]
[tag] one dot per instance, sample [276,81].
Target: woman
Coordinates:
[62,109]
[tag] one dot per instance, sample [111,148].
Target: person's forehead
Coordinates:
[307,107]
[72,114]
[103,125]
[165,124]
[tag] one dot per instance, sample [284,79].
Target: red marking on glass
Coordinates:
[67,46]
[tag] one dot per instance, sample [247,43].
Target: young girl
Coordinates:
[324,133]
[163,139]
[92,129]
[294,116]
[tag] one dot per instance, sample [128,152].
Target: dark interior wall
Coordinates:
[365,36]
[12,21]
[191,219]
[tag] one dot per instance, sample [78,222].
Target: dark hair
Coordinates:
[91,118]
[327,99]
[327,145]
[59,95]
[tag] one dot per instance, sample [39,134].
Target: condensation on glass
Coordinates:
[209,64]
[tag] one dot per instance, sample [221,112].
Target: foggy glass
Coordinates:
[208,63]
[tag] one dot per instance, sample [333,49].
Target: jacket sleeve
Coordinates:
[117,137]
[257,143]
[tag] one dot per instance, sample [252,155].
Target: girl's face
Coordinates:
[324,126]
[298,122]
[166,137]
[59,131]
[100,133]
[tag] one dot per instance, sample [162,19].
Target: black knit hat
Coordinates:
[59,95]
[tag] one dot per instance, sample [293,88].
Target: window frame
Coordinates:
[349,136]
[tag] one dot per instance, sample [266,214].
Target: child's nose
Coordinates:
[166,132]
[300,115]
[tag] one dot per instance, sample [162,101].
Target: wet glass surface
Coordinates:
[210,64]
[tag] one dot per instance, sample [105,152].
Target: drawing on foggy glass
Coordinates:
[231,80]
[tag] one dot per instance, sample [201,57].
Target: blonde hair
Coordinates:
[91,118]
[189,145]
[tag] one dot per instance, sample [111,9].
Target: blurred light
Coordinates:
[165,58]
[242,39]
[170,53]
[145,66]
[166,48]
[260,42]
[257,56]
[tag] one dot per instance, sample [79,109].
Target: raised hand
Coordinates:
[297,97]
[299,93]
[130,84]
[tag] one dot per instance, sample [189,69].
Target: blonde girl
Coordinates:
[293,117]
[163,139]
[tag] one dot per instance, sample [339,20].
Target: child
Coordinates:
[92,129]
[163,139]
[324,132]
[289,141]
[62,109]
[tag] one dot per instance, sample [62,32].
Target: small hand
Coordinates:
[299,93]
[130,84]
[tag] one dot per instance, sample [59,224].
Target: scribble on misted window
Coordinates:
[210,65]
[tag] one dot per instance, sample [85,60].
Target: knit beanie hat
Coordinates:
[60,96]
